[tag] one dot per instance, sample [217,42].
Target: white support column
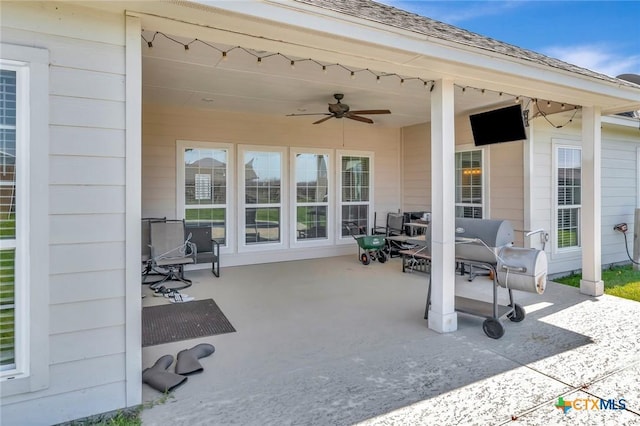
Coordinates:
[591,282]
[133,198]
[443,317]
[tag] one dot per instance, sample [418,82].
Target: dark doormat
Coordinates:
[182,321]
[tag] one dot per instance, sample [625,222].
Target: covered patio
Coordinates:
[217,131]
[330,341]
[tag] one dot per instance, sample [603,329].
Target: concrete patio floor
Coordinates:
[334,342]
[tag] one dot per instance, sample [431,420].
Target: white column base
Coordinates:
[443,323]
[592,288]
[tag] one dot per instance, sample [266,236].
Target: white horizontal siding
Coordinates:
[86,141]
[70,52]
[77,83]
[64,406]
[619,193]
[65,170]
[416,168]
[86,286]
[95,228]
[70,258]
[65,21]
[72,317]
[86,199]
[98,342]
[619,168]
[81,112]
[84,373]
[506,185]
[86,208]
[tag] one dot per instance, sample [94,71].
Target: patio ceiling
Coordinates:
[200,77]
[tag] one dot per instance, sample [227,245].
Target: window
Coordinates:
[24,219]
[469,186]
[355,191]
[569,183]
[203,188]
[262,195]
[312,179]
[9,241]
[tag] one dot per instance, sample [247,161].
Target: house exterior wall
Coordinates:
[86,212]
[163,126]
[619,187]
[620,147]
[504,191]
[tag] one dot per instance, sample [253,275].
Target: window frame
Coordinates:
[181,205]
[32,220]
[484,193]
[294,241]
[283,204]
[557,145]
[348,239]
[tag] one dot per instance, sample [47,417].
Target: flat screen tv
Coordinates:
[500,125]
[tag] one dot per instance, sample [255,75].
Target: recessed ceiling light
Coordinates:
[207,99]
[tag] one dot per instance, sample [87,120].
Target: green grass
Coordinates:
[125,417]
[128,417]
[621,281]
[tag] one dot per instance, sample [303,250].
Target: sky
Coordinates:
[603,36]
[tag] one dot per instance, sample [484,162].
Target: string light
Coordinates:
[557,126]
[352,72]
[292,61]
[518,99]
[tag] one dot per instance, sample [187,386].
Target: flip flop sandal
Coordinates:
[172,293]
[181,298]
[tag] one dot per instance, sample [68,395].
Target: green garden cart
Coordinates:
[370,247]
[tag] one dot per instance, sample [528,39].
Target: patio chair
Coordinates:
[170,251]
[207,248]
[394,228]
[147,263]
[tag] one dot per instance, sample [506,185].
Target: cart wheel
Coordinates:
[382,257]
[364,258]
[493,328]
[517,314]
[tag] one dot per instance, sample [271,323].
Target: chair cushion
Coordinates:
[174,261]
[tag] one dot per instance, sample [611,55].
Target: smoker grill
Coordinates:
[488,244]
[522,269]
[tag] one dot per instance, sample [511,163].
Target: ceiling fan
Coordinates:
[340,110]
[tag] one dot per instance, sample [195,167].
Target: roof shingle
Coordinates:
[388,15]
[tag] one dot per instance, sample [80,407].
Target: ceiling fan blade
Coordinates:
[310,113]
[372,111]
[323,119]
[358,118]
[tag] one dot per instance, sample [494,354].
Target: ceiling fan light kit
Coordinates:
[340,110]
